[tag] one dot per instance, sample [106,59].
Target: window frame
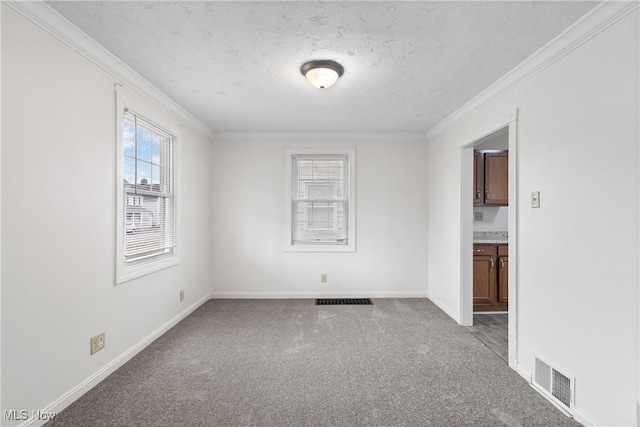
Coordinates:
[129,270]
[350,189]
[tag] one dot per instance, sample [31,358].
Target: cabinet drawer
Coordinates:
[503,250]
[485,250]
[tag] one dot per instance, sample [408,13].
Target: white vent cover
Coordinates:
[556,385]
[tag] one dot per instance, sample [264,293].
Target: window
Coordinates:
[147,223]
[320,200]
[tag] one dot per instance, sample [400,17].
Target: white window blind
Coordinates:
[149,189]
[320,199]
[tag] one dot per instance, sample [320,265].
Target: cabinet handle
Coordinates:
[477,194]
[486,194]
[478,250]
[501,264]
[492,263]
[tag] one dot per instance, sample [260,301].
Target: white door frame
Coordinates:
[466,228]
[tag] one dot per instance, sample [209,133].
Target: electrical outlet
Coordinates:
[323,278]
[97,343]
[181,295]
[479,216]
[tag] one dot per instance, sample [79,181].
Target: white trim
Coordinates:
[313,295]
[593,23]
[583,419]
[335,137]
[123,272]
[75,393]
[62,29]
[446,309]
[497,124]
[513,243]
[466,233]
[466,227]
[573,412]
[0,205]
[524,374]
[351,245]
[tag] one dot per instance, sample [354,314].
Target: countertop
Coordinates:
[491,237]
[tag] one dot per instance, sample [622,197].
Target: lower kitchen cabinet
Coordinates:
[490,277]
[503,279]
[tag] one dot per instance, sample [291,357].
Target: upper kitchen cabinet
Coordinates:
[491,178]
[496,179]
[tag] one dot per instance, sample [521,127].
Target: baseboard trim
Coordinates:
[75,393]
[524,374]
[447,310]
[575,414]
[306,295]
[583,419]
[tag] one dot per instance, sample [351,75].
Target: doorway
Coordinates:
[493,227]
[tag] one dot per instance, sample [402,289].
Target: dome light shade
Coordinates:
[322,74]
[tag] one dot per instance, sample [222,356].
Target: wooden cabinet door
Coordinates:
[496,178]
[478,178]
[503,279]
[484,280]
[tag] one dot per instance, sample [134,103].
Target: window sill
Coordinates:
[320,248]
[143,268]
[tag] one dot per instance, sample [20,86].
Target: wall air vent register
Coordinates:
[554,384]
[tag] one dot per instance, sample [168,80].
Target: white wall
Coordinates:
[58,223]
[578,256]
[494,218]
[248,211]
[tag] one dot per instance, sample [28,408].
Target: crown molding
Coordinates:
[62,29]
[593,23]
[319,137]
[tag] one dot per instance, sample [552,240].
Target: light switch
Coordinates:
[535,199]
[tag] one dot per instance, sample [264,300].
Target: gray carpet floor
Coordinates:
[291,363]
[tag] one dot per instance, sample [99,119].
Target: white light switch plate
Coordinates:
[535,199]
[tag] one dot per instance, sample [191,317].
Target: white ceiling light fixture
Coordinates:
[322,73]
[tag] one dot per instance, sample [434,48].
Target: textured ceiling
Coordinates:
[235,65]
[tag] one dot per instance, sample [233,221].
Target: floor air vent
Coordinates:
[344,301]
[558,386]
